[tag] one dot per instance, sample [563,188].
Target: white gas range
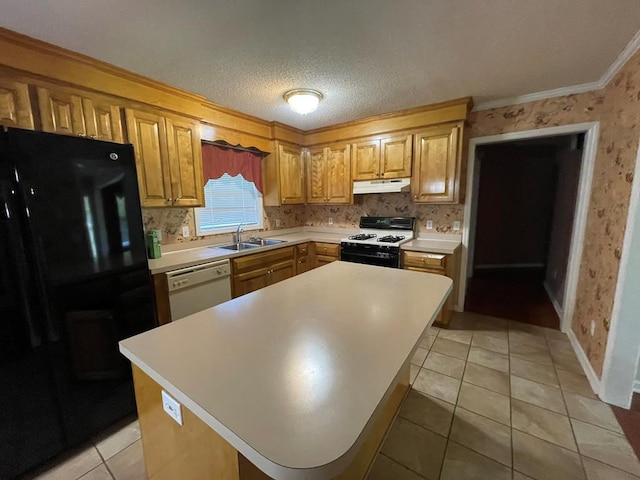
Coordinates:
[378,242]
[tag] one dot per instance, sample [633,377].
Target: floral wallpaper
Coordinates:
[617,108]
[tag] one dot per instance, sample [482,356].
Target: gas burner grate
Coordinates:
[362,236]
[391,238]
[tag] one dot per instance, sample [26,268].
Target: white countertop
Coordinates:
[291,374]
[193,256]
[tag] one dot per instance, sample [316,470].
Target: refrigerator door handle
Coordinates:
[22,269]
[51,330]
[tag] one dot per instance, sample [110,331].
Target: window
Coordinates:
[229,201]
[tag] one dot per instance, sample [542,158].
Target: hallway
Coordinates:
[515,294]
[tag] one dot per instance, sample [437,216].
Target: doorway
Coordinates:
[566,305]
[525,204]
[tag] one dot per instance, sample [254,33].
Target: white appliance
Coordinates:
[197,288]
[378,241]
[394,185]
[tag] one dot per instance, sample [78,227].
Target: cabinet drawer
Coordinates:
[330,249]
[302,250]
[261,260]
[431,261]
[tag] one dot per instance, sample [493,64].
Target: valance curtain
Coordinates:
[216,161]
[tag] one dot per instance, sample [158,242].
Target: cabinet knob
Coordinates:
[169,199]
[93,137]
[415,197]
[81,135]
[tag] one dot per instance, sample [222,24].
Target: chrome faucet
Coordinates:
[238,236]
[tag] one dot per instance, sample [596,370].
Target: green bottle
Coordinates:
[153,245]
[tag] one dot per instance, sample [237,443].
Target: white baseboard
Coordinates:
[593,378]
[636,386]
[554,300]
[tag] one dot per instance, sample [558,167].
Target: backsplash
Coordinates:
[171,220]
[385,205]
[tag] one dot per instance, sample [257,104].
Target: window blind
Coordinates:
[229,201]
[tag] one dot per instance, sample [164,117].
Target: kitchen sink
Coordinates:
[237,246]
[264,242]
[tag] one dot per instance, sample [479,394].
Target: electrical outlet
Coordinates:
[330,220]
[172,407]
[429,224]
[456,225]
[278,223]
[185,232]
[592,328]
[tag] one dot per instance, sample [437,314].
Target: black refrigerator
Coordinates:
[74,280]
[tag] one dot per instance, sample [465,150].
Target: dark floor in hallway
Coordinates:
[516,294]
[630,422]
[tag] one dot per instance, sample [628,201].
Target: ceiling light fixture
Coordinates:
[303,100]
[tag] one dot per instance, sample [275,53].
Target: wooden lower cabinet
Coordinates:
[440,264]
[304,260]
[253,272]
[325,253]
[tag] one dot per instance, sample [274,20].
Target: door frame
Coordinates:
[619,371]
[591,131]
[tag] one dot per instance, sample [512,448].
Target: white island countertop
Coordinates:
[291,375]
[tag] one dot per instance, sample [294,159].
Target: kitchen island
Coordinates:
[299,380]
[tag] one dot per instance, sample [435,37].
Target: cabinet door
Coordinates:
[102,119]
[366,160]
[281,271]
[436,171]
[250,281]
[317,175]
[61,112]
[338,159]
[148,135]
[303,265]
[15,106]
[291,173]
[185,161]
[395,160]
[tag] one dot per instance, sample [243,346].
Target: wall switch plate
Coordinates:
[429,225]
[330,220]
[456,225]
[592,328]
[278,223]
[185,232]
[172,407]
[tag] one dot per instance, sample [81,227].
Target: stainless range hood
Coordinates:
[382,186]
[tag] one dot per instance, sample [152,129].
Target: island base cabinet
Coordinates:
[194,451]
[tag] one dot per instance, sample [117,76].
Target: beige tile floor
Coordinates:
[491,399]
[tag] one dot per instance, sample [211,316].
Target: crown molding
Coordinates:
[620,61]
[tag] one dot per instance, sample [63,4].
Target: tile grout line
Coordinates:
[575,438]
[403,466]
[453,416]
[104,462]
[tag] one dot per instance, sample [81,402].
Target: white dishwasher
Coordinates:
[197,288]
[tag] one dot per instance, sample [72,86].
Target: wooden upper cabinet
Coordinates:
[291,175]
[185,160]
[168,158]
[338,158]
[329,174]
[103,119]
[395,157]
[436,169]
[388,157]
[69,113]
[15,104]
[147,133]
[366,160]
[317,175]
[61,112]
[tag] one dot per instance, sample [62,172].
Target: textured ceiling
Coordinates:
[367,57]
